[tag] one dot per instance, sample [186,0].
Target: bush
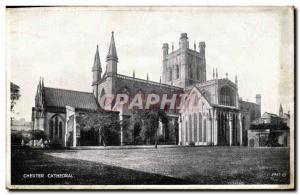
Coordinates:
[38,134]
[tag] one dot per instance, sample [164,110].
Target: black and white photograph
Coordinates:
[150,97]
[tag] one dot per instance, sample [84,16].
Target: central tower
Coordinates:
[184,66]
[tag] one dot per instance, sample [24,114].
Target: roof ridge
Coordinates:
[68,90]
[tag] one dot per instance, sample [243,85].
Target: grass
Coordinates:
[181,165]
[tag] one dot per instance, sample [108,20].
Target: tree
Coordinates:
[14,95]
[150,126]
[106,124]
[148,122]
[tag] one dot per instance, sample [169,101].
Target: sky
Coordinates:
[59,44]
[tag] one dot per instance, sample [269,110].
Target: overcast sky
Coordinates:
[59,44]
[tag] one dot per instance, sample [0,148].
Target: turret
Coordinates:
[184,41]
[258,101]
[38,120]
[112,58]
[165,50]
[202,49]
[97,70]
[111,70]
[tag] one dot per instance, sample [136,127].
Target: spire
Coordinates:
[42,85]
[97,62]
[133,73]
[236,80]
[147,77]
[195,47]
[172,46]
[226,75]
[112,52]
[280,111]
[160,79]
[213,73]
[38,87]
[216,73]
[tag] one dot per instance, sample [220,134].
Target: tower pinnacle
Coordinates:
[112,52]
[280,111]
[97,62]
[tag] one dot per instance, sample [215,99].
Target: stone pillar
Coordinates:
[74,132]
[216,128]
[66,132]
[160,128]
[70,112]
[209,128]
[179,129]
[241,128]
[121,129]
[230,129]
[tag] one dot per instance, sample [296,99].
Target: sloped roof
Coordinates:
[266,114]
[61,98]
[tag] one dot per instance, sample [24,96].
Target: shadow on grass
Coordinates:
[78,172]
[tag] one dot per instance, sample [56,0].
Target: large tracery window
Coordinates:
[227,97]
[56,127]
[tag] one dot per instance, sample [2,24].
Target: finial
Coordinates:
[216,73]
[226,75]
[97,46]
[147,77]
[213,73]
[160,79]
[112,32]
[236,80]
[195,47]
[172,46]
[133,73]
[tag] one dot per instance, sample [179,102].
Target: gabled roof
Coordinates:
[61,98]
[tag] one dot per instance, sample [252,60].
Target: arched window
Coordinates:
[200,128]
[51,129]
[195,127]
[190,128]
[186,131]
[56,126]
[60,129]
[177,71]
[204,130]
[170,74]
[227,96]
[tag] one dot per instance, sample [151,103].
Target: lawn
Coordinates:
[181,165]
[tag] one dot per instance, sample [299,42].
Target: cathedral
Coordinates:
[220,117]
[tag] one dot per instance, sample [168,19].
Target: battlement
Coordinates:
[120,76]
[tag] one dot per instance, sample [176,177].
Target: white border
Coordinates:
[3,85]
